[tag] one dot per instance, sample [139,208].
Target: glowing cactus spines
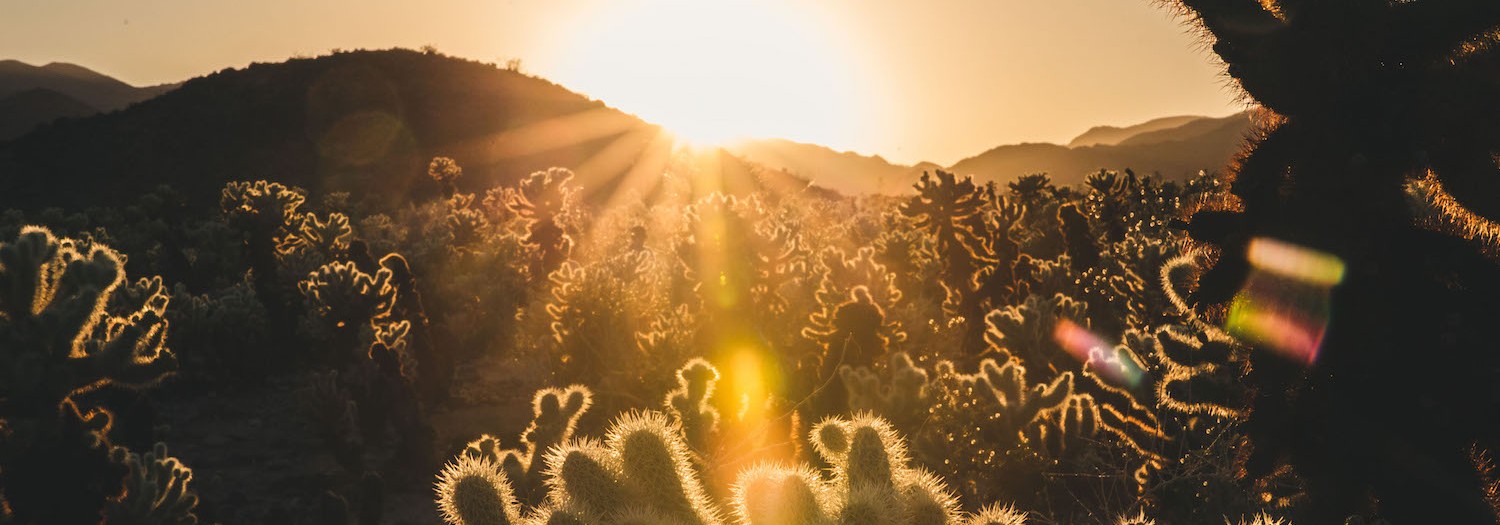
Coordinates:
[776,495]
[689,402]
[950,209]
[265,212]
[344,295]
[852,295]
[640,474]
[156,490]
[872,483]
[997,515]
[472,491]
[555,413]
[329,237]
[346,299]
[904,399]
[57,338]
[446,172]
[543,200]
[1006,387]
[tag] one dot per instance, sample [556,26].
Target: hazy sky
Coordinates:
[912,80]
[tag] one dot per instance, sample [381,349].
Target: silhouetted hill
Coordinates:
[1111,135]
[1175,153]
[1192,129]
[360,121]
[21,112]
[88,86]
[846,172]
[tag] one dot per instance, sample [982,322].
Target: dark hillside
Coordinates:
[349,121]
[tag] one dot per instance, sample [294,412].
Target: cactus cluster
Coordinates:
[63,333]
[156,490]
[871,482]
[544,200]
[555,414]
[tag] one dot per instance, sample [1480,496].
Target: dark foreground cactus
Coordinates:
[57,340]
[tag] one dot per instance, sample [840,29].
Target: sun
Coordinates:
[713,71]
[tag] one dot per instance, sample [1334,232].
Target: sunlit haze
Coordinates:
[911,81]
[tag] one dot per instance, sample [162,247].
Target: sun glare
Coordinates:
[713,71]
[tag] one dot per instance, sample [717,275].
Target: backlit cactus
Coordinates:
[156,490]
[57,339]
[555,414]
[872,483]
[446,172]
[543,200]
[905,399]
[689,403]
[472,491]
[950,209]
[265,212]
[641,473]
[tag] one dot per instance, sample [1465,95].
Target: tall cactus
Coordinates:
[1367,95]
[689,403]
[872,483]
[641,473]
[555,414]
[156,490]
[472,491]
[543,201]
[56,340]
[264,212]
[950,209]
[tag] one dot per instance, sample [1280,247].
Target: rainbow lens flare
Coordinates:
[1094,352]
[1286,302]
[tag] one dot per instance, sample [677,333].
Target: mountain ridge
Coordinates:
[450,120]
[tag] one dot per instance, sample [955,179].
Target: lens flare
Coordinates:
[1295,262]
[749,384]
[1285,304]
[1094,352]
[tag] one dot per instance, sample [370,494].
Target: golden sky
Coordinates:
[934,80]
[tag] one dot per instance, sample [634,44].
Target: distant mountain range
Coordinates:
[34,95]
[372,119]
[1174,147]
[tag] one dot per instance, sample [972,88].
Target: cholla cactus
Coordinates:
[593,315]
[950,209]
[260,206]
[689,406]
[265,212]
[1013,403]
[1033,188]
[854,333]
[156,490]
[641,473]
[329,238]
[737,257]
[853,293]
[466,223]
[543,200]
[1203,373]
[345,300]
[445,172]
[57,339]
[1027,331]
[472,491]
[905,400]
[555,414]
[872,483]
[997,515]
